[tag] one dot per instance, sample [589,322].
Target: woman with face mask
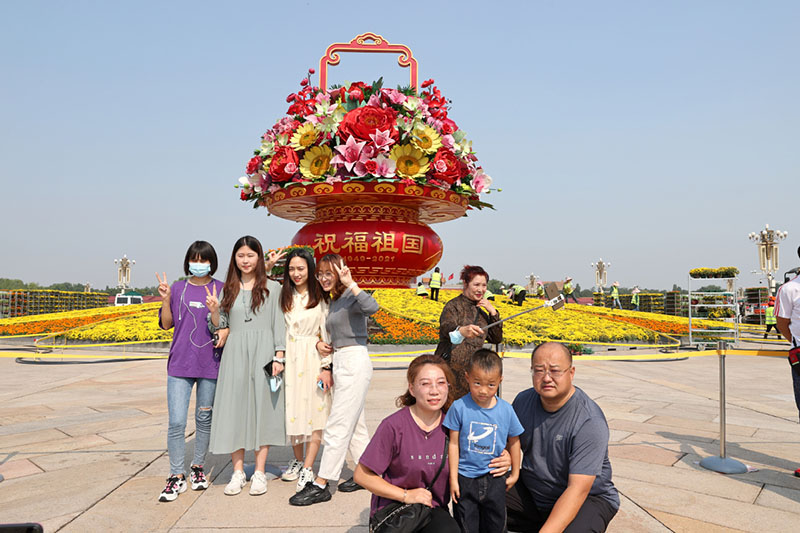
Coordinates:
[249,400]
[308,364]
[193,360]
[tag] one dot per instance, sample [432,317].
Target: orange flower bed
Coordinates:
[656,325]
[398,330]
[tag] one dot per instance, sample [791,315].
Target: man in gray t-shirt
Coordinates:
[565,480]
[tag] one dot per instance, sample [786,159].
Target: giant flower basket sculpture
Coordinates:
[367,168]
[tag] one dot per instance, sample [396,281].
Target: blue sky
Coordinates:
[655,135]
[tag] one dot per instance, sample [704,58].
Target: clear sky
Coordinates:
[655,135]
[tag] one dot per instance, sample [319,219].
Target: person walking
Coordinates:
[635,298]
[193,363]
[569,290]
[308,372]
[769,318]
[615,295]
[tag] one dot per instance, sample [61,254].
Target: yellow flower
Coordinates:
[316,162]
[304,137]
[426,139]
[411,162]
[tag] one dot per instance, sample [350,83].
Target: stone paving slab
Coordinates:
[83,449]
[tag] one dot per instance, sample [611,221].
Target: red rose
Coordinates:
[284,156]
[448,127]
[446,166]
[244,195]
[363,121]
[254,164]
[371,166]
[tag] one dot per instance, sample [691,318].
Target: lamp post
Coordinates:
[532,283]
[767,240]
[124,272]
[600,276]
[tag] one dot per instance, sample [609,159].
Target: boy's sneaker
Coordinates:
[293,471]
[306,476]
[234,486]
[198,478]
[175,485]
[258,483]
[310,495]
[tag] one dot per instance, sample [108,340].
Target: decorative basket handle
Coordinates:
[367,43]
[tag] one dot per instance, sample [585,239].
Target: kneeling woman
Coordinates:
[414,432]
[249,407]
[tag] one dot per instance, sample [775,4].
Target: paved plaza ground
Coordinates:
[83,448]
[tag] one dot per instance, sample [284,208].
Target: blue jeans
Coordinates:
[179,392]
[616,303]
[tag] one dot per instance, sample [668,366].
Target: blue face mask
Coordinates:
[200,270]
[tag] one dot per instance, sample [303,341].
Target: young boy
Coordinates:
[481,425]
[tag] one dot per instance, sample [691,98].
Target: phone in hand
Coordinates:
[321,385]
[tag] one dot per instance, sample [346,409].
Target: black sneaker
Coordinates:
[175,486]
[310,495]
[349,486]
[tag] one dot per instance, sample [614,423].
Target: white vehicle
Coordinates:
[127,299]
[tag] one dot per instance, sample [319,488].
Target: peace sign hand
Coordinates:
[274,257]
[163,287]
[345,276]
[211,300]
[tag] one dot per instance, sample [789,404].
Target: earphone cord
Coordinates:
[180,317]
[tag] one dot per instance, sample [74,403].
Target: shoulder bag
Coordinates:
[398,517]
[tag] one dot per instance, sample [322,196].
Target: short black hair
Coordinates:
[560,345]
[487,360]
[202,250]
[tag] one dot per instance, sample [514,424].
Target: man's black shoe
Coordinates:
[310,495]
[349,486]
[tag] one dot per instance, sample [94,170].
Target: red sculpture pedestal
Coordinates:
[379,228]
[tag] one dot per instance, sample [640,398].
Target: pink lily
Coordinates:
[480,181]
[350,153]
[382,140]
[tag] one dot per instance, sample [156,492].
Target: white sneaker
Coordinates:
[306,476]
[175,485]
[258,483]
[292,471]
[234,486]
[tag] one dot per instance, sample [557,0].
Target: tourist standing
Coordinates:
[352,371]
[463,326]
[615,296]
[569,290]
[249,400]
[308,372]
[193,361]
[435,284]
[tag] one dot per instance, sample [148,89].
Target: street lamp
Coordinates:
[600,276]
[124,272]
[767,240]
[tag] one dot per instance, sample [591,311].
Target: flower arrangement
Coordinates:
[366,133]
[722,272]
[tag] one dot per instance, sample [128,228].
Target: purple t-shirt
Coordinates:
[406,456]
[192,353]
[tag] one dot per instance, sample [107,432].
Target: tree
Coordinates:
[494,286]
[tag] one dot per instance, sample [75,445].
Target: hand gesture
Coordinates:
[212,302]
[422,496]
[344,274]
[274,257]
[486,304]
[163,287]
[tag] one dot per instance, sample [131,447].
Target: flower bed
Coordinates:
[141,327]
[398,330]
[55,322]
[673,325]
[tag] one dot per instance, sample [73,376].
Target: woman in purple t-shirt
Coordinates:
[193,359]
[407,449]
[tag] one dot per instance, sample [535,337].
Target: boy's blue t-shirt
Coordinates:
[483,433]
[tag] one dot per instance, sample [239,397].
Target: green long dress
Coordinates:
[247,414]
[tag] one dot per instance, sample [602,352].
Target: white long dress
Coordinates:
[307,407]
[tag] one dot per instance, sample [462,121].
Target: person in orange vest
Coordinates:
[435,284]
[769,318]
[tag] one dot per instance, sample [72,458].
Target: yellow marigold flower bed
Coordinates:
[55,322]
[142,327]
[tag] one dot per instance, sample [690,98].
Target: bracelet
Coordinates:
[329,368]
[405,493]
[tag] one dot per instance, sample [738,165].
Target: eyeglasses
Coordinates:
[555,374]
[325,275]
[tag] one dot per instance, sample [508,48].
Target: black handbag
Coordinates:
[398,517]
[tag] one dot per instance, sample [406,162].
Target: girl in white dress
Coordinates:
[308,364]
